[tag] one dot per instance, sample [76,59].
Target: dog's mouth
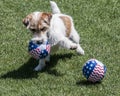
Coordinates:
[37,42]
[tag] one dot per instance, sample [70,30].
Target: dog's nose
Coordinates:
[39,42]
[25,22]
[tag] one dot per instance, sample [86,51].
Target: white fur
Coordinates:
[36,15]
[57,35]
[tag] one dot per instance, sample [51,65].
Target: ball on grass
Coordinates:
[38,51]
[94,70]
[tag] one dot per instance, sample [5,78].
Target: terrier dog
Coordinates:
[55,27]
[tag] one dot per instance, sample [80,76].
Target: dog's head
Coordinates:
[38,23]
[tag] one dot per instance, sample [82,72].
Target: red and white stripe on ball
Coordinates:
[97,74]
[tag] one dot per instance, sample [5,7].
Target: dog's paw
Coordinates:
[39,67]
[73,47]
[80,51]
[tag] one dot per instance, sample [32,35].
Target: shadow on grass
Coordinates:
[26,70]
[54,60]
[86,83]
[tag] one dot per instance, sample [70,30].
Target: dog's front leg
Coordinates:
[47,59]
[41,65]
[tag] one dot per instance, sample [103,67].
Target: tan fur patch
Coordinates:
[67,23]
[44,20]
[46,17]
[43,15]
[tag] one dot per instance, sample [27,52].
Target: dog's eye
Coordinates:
[45,22]
[43,29]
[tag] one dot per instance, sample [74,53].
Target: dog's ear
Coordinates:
[26,20]
[46,17]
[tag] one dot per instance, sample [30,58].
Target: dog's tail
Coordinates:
[54,7]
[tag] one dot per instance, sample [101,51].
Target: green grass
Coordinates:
[98,23]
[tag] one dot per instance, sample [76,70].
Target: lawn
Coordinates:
[98,23]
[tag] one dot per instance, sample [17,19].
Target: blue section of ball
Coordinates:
[43,53]
[88,68]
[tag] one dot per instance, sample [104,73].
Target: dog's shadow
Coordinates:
[54,60]
[26,71]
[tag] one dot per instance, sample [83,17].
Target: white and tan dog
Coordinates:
[58,28]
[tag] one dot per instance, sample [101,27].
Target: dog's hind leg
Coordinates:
[75,38]
[68,44]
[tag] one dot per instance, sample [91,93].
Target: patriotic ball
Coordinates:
[94,70]
[38,51]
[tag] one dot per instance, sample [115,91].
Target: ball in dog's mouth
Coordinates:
[39,50]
